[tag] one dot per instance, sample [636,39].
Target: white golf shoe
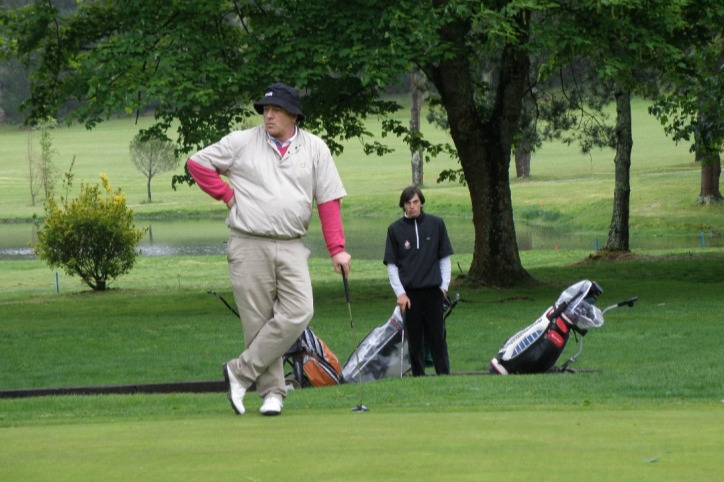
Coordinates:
[272,406]
[236,391]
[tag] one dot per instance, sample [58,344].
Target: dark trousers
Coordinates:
[424,323]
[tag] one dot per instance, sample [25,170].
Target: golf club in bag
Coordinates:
[536,348]
[382,352]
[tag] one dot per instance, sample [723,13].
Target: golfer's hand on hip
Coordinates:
[341,261]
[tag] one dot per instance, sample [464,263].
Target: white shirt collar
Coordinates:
[288,141]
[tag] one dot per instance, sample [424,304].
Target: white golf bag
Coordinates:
[380,353]
[383,352]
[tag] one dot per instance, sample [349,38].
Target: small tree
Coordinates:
[151,157]
[43,171]
[35,179]
[92,236]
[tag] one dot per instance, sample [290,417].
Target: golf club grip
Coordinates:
[557,312]
[346,286]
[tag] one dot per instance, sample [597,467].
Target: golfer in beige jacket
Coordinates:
[277,172]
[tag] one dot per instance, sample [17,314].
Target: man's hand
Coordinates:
[230,203]
[403,302]
[341,261]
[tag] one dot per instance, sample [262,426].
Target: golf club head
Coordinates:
[629,302]
[360,408]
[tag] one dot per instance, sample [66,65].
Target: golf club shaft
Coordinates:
[212,292]
[349,302]
[402,344]
[354,335]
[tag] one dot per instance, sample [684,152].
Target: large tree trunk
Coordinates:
[710,167]
[522,160]
[417,161]
[618,232]
[484,148]
[710,174]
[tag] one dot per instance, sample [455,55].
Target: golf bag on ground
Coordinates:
[536,349]
[382,352]
[313,363]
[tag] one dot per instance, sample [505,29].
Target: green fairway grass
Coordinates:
[457,445]
[159,324]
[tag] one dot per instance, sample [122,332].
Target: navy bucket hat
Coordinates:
[283,96]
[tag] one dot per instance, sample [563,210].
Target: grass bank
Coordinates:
[567,189]
[159,324]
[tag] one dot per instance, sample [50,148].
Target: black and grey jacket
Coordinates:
[416,246]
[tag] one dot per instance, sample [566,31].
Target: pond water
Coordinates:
[365,238]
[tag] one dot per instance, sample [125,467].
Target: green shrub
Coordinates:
[92,236]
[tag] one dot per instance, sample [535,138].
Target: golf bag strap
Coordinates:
[578,330]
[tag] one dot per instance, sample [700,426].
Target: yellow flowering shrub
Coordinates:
[92,236]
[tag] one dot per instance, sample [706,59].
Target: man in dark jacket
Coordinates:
[417,255]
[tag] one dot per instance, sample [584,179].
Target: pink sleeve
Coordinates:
[332,230]
[209,181]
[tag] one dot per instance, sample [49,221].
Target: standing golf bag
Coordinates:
[313,363]
[381,353]
[536,348]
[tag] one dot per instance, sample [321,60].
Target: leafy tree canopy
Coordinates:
[203,64]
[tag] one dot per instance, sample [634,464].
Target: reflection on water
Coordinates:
[17,253]
[365,238]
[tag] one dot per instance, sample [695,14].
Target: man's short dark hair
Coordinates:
[408,193]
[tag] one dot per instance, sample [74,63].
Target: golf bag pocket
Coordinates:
[322,371]
[556,339]
[558,332]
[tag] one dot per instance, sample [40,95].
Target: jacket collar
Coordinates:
[420,218]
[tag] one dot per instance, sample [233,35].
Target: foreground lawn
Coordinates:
[501,444]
